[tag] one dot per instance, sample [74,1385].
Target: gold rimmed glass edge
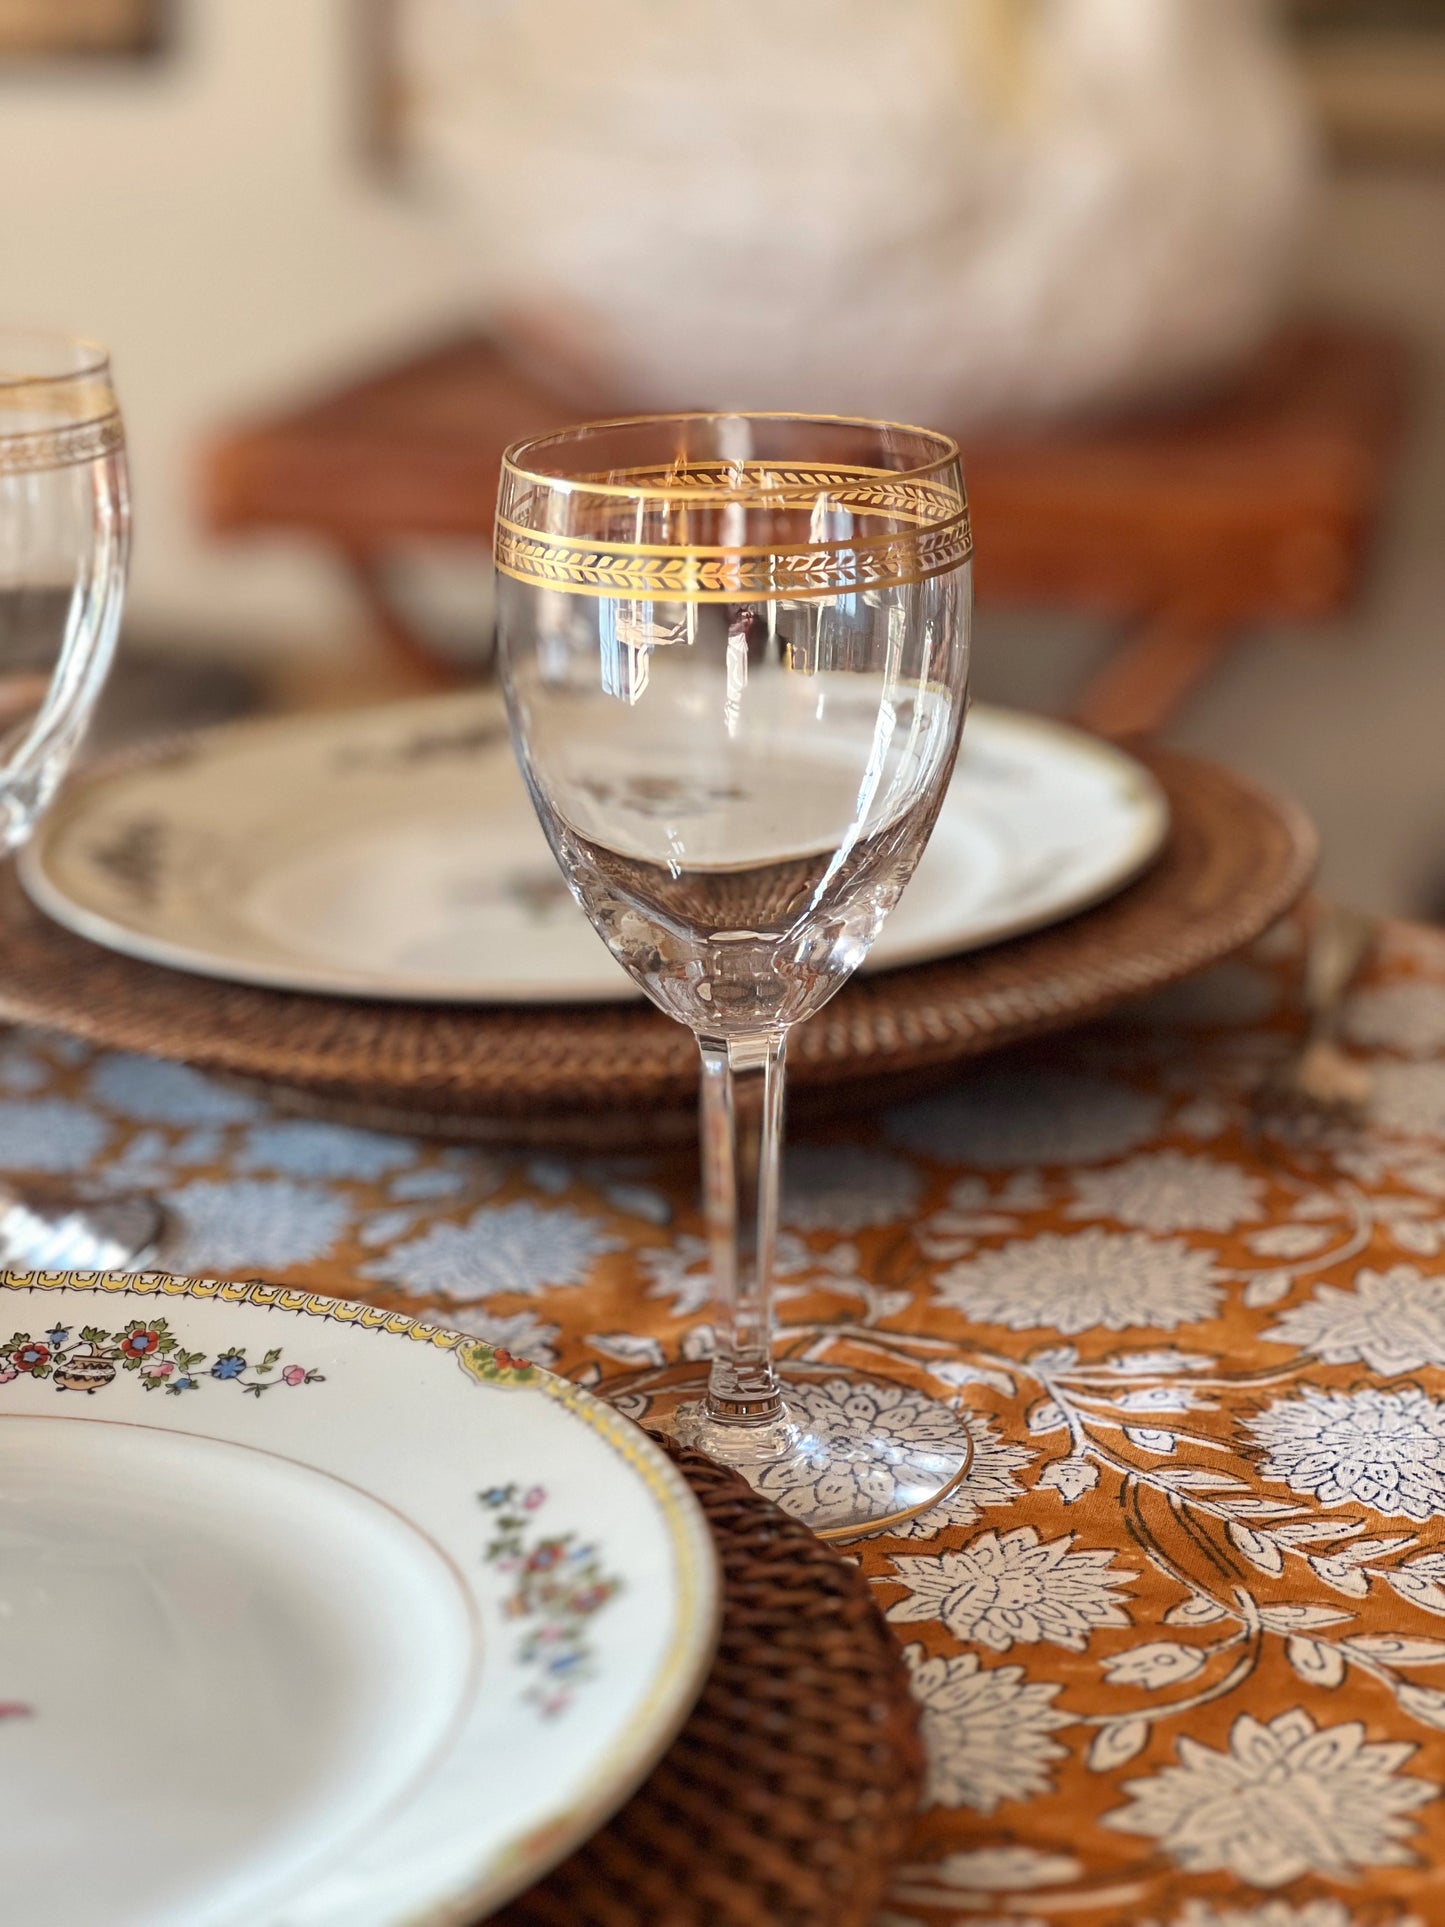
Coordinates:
[844,500]
[515,464]
[57,405]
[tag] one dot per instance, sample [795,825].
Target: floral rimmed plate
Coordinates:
[315,1616]
[393,853]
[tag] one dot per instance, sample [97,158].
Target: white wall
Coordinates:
[211,217]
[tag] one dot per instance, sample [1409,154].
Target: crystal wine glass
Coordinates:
[64,539]
[735,654]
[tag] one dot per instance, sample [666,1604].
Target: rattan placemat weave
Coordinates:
[790,1793]
[614,1074]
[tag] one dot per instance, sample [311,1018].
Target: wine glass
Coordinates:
[64,540]
[735,655]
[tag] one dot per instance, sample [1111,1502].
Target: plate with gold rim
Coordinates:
[315,1615]
[393,853]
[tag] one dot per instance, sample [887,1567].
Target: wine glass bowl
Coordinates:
[64,545]
[735,654]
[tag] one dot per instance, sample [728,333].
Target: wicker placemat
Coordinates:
[1236,858]
[790,1793]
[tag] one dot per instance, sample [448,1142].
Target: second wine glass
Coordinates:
[735,652]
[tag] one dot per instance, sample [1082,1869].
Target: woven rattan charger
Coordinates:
[790,1793]
[620,1075]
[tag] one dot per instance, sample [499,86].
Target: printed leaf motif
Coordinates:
[1196,1611]
[1289,1240]
[1053,1359]
[1158,1364]
[1315,1661]
[1071,1477]
[1045,1417]
[951,1372]
[1419,1590]
[1299,1618]
[1261,1509]
[1342,1575]
[1157,1398]
[628,1348]
[1341,1569]
[1258,1549]
[1114,1744]
[1423,1703]
[1162,1662]
[1309,1532]
[1423,1239]
[1317,1204]
[1396,1650]
[1267,1288]
[1197,1478]
[1149,1438]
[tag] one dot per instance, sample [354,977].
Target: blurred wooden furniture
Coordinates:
[1188,524]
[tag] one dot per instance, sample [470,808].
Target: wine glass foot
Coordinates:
[50,1228]
[852,1454]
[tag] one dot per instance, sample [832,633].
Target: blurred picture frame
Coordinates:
[44,30]
[1376,72]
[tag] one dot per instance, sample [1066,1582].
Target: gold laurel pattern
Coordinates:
[761,483]
[61,447]
[730,575]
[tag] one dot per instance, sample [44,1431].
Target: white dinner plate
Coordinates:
[315,1616]
[393,853]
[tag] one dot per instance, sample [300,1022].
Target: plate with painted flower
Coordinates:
[315,1615]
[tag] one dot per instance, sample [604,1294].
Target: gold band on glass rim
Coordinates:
[61,446]
[877,528]
[651,572]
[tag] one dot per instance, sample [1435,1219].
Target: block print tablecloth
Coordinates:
[1179,1638]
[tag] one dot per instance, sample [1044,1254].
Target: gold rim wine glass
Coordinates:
[64,544]
[735,654]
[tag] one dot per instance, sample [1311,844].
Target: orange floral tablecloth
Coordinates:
[1179,1637]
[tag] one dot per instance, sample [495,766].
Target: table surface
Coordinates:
[1179,1637]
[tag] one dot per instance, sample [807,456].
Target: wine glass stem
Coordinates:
[742,1139]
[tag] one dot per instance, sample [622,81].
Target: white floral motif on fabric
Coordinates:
[846,1188]
[1393,1321]
[1277,1913]
[231,1225]
[1385,1450]
[1003,1587]
[995,1870]
[1114,1280]
[997,1120]
[304,1148]
[520,1247]
[1169,1191]
[833,1482]
[1285,1799]
[989,1481]
[51,1134]
[986,1732]
[153,1092]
